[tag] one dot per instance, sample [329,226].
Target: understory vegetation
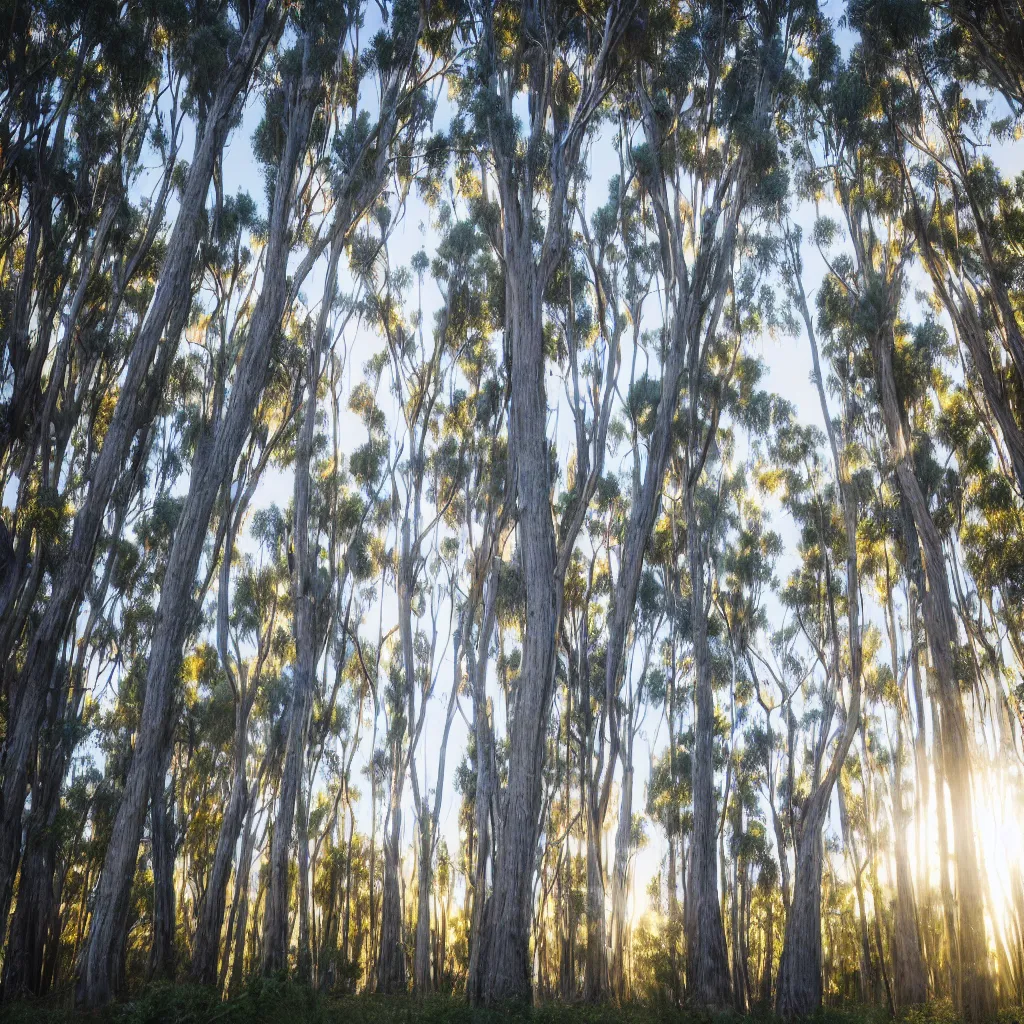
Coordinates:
[267,1001]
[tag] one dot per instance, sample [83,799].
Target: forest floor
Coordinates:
[267,1002]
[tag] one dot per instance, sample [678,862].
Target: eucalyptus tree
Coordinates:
[82,90]
[485,511]
[990,38]
[464,274]
[114,634]
[564,81]
[296,100]
[587,713]
[743,574]
[710,100]
[607,294]
[963,214]
[814,593]
[643,681]
[865,291]
[427,479]
[250,615]
[146,371]
[311,633]
[243,676]
[365,152]
[800,969]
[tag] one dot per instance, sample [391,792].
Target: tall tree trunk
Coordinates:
[799,985]
[911,979]
[144,381]
[707,959]
[866,978]
[391,961]
[206,942]
[304,960]
[769,950]
[240,911]
[620,877]
[214,460]
[976,998]
[484,787]
[162,957]
[37,907]
[275,917]
[505,968]
[422,981]
[596,982]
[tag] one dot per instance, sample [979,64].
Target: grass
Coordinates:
[269,1001]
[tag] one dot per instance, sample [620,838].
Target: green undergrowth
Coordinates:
[275,1002]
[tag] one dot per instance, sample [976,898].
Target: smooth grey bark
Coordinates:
[145,377]
[505,967]
[620,877]
[275,923]
[216,455]
[799,985]
[484,738]
[707,961]
[162,956]
[390,977]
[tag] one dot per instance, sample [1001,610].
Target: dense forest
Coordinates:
[516,500]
